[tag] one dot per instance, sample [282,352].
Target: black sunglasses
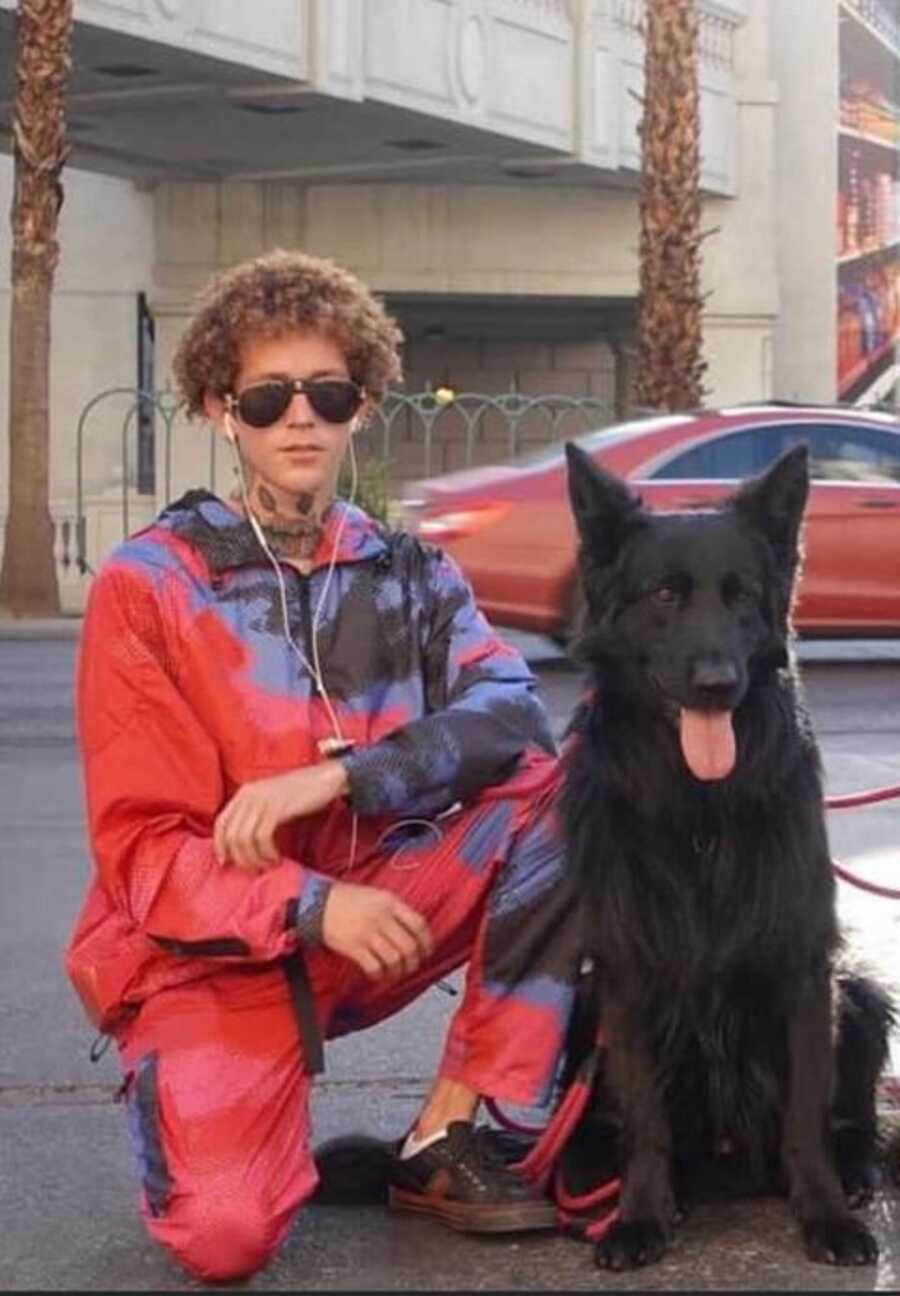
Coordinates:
[335,400]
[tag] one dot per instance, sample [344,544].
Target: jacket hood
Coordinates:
[227,540]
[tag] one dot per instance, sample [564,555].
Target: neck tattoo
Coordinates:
[289,535]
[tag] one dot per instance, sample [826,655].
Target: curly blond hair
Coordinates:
[272,295]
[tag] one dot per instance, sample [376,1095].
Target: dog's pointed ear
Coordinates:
[602,505]
[773,503]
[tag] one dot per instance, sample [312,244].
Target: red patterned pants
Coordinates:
[218,1086]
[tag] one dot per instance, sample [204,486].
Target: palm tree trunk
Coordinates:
[28,581]
[670,332]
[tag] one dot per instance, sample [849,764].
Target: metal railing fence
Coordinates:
[413,435]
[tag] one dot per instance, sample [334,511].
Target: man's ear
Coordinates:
[214,409]
[603,506]
[361,417]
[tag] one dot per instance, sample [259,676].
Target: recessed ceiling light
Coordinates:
[125,70]
[271,110]
[414,145]
[526,170]
[516,173]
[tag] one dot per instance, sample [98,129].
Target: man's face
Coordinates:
[300,454]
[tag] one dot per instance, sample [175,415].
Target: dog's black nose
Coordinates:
[714,676]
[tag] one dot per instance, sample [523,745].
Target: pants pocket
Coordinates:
[142,1099]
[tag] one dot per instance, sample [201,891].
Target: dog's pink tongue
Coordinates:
[707,741]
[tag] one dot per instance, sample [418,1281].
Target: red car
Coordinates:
[510,528]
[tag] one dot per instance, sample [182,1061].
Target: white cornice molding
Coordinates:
[630,13]
[553,9]
[732,11]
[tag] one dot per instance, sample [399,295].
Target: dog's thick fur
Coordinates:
[701,853]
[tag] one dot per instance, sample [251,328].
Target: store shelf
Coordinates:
[871,57]
[864,23]
[847,132]
[851,258]
[850,379]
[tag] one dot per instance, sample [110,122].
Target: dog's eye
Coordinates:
[740,595]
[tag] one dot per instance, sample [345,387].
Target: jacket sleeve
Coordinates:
[154,785]
[482,711]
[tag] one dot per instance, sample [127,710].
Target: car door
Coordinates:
[852,567]
[850,579]
[708,469]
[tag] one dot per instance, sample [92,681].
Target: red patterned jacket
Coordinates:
[187,688]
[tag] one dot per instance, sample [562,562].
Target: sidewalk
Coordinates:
[538,648]
[68,1217]
[534,647]
[64,627]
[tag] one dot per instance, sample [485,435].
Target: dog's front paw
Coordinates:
[630,1244]
[859,1183]
[680,1210]
[854,1154]
[839,1240]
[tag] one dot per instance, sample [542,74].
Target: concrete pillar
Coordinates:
[805,63]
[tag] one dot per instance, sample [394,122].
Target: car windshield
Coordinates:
[591,441]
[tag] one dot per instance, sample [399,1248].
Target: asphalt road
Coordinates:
[67,1198]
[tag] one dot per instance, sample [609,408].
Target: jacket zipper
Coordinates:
[307,626]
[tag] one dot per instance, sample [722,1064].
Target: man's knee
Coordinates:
[220,1237]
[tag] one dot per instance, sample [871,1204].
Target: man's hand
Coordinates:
[243,834]
[376,929]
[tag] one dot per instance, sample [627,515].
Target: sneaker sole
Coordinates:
[469,1218]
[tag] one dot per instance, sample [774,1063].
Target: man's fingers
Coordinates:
[264,841]
[392,959]
[244,836]
[380,933]
[224,830]
[370,964]
[406,945]
[240,838]
[219,836]
[224,837]
[235,838]
[414,923]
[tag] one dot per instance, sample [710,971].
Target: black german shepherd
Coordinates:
[693,813]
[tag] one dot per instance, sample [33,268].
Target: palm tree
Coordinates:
[669,361]
[28,582]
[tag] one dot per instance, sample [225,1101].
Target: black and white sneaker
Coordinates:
[464,1181]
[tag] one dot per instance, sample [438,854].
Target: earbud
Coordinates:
[230,433]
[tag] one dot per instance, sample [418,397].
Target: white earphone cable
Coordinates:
[354,482]
[313,668]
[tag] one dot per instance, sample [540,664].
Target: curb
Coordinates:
[39,628]
[538,650]
[535,648]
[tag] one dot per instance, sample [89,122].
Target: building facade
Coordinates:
[476,161]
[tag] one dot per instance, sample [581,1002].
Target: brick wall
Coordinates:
[575,369]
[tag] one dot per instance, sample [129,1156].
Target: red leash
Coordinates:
[592,1214]
[862,798]
[859,799]
[541,1165]
[887,893]
[541,1161]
